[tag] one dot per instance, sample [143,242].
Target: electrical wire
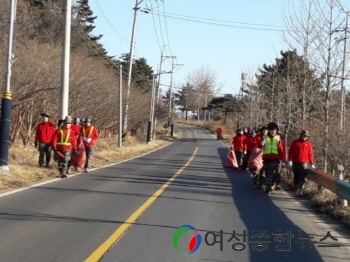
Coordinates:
[154,25]
[167,33]
[108,22]
[239,25]
[93,45]
[151,6]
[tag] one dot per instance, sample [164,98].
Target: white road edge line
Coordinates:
[10,192]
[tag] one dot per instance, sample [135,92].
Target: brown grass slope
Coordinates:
[25,171]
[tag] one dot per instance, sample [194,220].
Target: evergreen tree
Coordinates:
[84,16]
[285,83]
[83,26]
[141,73]
[227,104]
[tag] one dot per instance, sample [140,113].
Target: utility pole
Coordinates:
[171,96]
[151,112]
[6,101]
[343,93]
[205,104]
[120,131]
[160,70]
[157,89]
[153,119]
[162,59]
[170,93]
[136,8]
[64,92]
[240,95]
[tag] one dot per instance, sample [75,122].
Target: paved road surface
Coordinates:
[130,211]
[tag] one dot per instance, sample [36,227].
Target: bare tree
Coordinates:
[203,81]
[313,31]
[300,33]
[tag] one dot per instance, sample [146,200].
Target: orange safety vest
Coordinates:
[84,133]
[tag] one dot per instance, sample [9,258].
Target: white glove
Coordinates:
[313,167]
[290,163]
[283,164]
[244,152]
[85,139]
[88,139]
[263,142]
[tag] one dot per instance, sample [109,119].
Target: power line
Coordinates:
[240,25]
[108,22]
[93,45]
[154,25]
[166,30]
[160,25]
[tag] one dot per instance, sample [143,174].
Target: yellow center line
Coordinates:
[118,234]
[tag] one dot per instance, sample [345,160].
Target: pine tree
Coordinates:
[83,26]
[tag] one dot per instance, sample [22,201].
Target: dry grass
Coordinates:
[321,199]
[24,169]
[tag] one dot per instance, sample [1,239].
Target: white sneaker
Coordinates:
[278,187]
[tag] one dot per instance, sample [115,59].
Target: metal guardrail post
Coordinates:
[341,170]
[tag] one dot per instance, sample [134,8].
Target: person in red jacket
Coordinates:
[90,135]
[300,156]
[219,133]
[43,137]
[239,146]
[274,156]
[260,133]
[64,145]
[249,139]
[76,128]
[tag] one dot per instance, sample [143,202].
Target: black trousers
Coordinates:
[44,153]
[272,172]
[89,152]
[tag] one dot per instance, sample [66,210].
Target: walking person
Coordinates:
[64,145]
[76,126]
[259,175]
[219,133]
[43,137]
[300,157]
[90,135]
[274,157]
[260,133]
[76,129]
[249,140]
[239,146]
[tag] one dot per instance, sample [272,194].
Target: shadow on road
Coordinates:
[265,221]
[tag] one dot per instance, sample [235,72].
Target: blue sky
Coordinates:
[233,37]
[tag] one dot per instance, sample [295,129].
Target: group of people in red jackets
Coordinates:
[65,141]
[274,155]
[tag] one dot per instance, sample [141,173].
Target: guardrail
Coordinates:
[337,186]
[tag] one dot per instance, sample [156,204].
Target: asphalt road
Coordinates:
[131,210]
